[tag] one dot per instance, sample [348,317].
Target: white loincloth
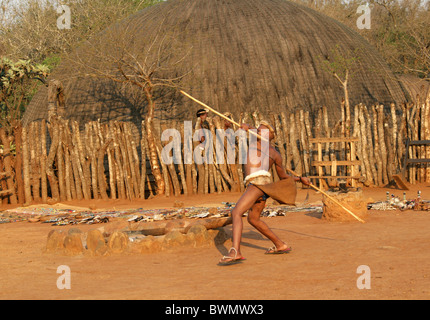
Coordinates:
[260,177]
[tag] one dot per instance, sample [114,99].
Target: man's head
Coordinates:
[228,124]
[265,125]
[202,114]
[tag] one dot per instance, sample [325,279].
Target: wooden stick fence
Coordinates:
[57,161]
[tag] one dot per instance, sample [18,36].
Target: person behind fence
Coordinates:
[228,124]
[204,124]
[259,187]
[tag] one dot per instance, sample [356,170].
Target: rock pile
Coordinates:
[117,239]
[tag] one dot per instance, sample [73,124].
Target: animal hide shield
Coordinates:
[284,191]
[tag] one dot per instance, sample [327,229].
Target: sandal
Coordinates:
[231,260]
[273,250]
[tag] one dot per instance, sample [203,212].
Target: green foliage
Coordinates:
[341,63]
[17,82]
[11,72]
[52,61]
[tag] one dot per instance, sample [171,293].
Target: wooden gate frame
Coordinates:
[407,160]
[319,163]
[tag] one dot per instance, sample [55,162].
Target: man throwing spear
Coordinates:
[260,158]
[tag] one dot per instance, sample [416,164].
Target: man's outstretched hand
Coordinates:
[305,181]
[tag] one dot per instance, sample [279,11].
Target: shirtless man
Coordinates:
[260,158]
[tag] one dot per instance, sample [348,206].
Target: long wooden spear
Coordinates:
[289,170]
[220,114]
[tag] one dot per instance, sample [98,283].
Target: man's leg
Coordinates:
[245,202]
[254,219]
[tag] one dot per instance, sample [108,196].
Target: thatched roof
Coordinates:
[243,55]
[417,88]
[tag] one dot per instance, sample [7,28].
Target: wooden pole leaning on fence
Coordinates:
[289,170]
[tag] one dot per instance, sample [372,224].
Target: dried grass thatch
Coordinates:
[243,55]
[417,88]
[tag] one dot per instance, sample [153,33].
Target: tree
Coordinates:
[17,80]
[151,67]
[402,35]
[342,66]
[400,30]
[29,31]
[28,28]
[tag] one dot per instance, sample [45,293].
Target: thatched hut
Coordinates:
[235,55]
[418,89]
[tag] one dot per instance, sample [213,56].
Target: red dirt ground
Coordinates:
[323,264]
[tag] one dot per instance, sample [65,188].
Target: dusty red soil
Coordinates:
[323,264]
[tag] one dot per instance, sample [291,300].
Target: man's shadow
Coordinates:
[226,234]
